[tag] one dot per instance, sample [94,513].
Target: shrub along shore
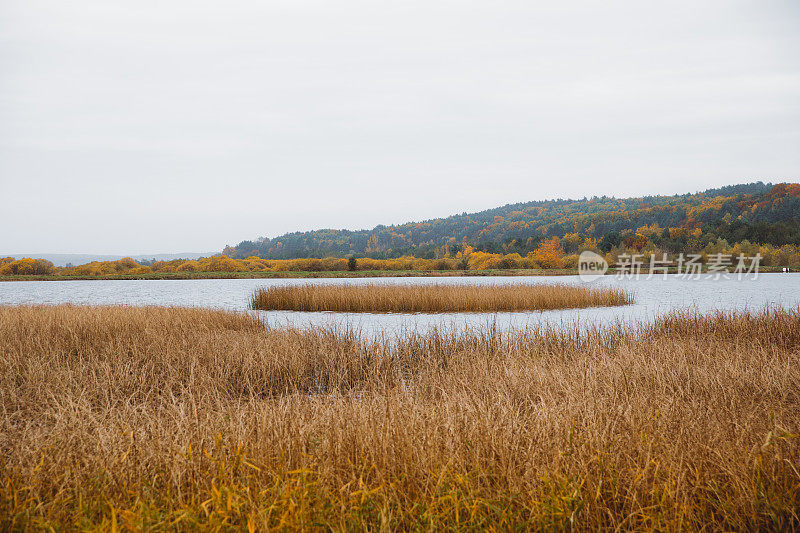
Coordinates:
[375,298]
[157,418]
[293,274]
[315,274]
[548,259]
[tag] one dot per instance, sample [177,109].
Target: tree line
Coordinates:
[552,253]
[756,212]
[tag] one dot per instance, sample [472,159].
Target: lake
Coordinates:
[654,297]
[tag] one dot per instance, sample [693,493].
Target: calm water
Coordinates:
[654,297]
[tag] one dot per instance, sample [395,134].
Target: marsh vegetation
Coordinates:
[166,418]
[436,298]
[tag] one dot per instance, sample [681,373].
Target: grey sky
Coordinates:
[133,127]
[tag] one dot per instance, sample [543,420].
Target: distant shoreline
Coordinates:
[305,274]
[333,274]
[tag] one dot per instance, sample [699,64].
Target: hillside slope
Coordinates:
[756,212]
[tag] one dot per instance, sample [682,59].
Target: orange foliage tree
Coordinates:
[549,254]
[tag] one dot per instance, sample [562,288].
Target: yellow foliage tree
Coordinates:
[549,254]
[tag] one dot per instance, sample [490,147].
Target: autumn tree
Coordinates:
[549,254]
[27,266]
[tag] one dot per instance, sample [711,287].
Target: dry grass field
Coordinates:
[156,418]
[437,298]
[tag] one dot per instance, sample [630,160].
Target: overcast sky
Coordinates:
[167,126]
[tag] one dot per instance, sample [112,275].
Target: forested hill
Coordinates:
[757,212]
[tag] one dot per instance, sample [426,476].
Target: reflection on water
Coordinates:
[654,297]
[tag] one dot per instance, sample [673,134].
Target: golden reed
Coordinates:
[437,298]
[153,418]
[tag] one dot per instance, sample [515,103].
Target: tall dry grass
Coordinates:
[375,298]
[154,418]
